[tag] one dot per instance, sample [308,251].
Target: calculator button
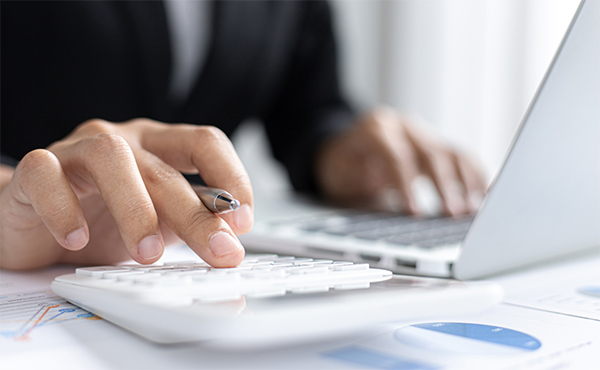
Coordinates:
[146,267]
[263,263]
[116,274]
[228,270]
[352,267]
[279,265]
[261,257]
[264,274]
[322,262]
[185,272]
[163,270]
[165,280]
[182,263]
[298,261]
[283,259]
[138,266]
[249,261]
[309,270]
[97,271]
[200,268]
[139,278]
[217,278]
[304,264]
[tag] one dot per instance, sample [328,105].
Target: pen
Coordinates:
[216,200]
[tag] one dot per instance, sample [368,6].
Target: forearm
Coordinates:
[310,107]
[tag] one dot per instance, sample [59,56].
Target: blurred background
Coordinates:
[468,67]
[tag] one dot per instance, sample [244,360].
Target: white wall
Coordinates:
[469,67]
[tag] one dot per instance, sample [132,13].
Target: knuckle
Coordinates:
[36,168]
[34,172]
[141,123]
[432,156]
[159,173]
[240,187]
[210,134]
[195,219]
[33,161]
[106,143]
[59,211]
[376,125]
[138,210]
[95,126]
[384,114]
[241,180]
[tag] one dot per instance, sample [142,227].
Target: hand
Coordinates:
[387,150]
[116,190]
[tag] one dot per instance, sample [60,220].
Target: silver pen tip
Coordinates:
[234,205]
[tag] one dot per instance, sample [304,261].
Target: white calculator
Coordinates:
[267,299]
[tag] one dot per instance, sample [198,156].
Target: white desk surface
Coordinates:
[67,337]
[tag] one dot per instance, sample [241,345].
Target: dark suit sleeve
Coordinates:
[310,107]
[6,160]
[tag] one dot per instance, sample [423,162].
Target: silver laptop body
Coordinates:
[543,204]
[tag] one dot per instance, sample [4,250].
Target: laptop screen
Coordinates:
[545,201]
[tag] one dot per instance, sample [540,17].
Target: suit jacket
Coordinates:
[66,62]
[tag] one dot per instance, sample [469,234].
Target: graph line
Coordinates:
[22,328]
[26,335]
[24,313]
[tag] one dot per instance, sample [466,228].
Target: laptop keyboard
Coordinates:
[392,228]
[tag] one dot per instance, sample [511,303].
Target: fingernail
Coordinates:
[223,243]
[150,247]
[243,217]
[77,239]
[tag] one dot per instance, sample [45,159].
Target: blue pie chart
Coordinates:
[592,291]
[466,338]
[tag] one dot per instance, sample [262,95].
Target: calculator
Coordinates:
[266,300]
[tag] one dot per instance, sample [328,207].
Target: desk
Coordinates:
[67,337]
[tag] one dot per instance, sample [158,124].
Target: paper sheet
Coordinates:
[571,287]
[505,337]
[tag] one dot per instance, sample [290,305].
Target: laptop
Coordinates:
[543,204]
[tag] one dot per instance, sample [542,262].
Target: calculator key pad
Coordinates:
[258,276]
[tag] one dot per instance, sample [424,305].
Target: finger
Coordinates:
[105,162]
[181,210]
[440,169]
[437,162]
[472,181]
[403,169]
[207,150]
[397,155]
[44,186]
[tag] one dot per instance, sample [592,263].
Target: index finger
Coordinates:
[389,143]
[205,150]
